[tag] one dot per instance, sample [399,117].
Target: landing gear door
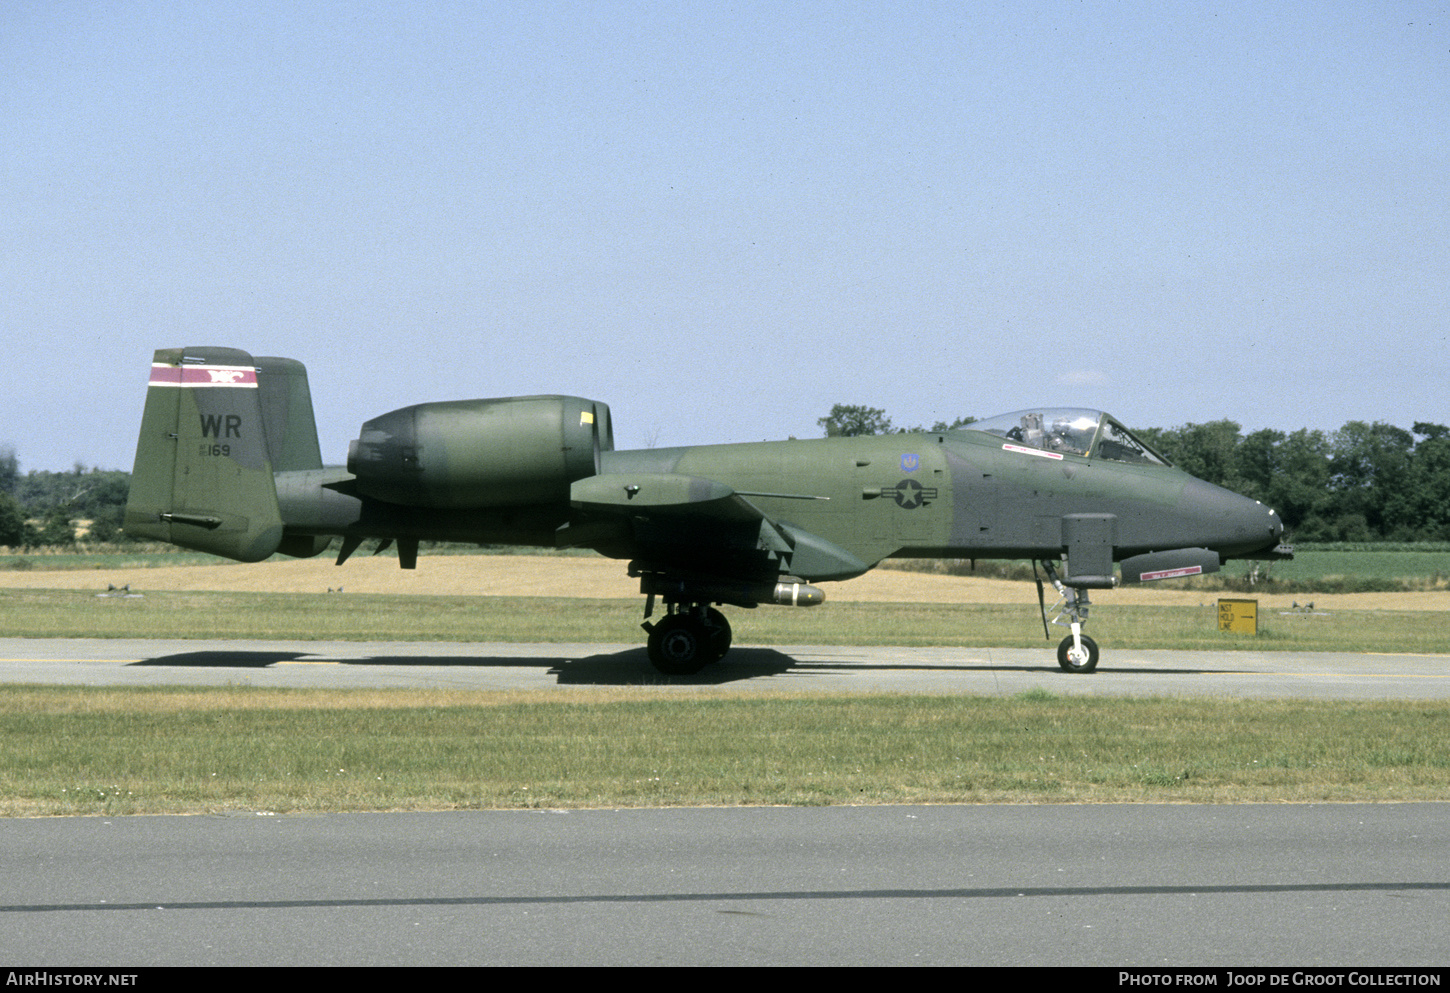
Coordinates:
[1089,540]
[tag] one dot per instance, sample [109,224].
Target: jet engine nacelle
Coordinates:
[511,451]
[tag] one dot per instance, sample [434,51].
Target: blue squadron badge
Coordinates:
[909,463]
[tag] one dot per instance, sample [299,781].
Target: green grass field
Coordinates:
[157,555]
[85,559]
[1334,567]
[76,750]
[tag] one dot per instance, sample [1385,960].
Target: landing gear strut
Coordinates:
[1077,652]
[689,638]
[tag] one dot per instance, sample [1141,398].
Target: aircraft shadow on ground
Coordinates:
[630,667]
[626,668]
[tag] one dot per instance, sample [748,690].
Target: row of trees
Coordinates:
[41,509]
[847,421]
[1364,482]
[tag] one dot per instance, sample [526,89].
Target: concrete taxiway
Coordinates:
[482,666]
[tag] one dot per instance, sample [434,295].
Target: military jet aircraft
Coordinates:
[228,462]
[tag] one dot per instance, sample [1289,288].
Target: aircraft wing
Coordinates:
[699,524]
[661,494]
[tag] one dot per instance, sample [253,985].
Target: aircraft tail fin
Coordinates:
[287,417]
[203,473]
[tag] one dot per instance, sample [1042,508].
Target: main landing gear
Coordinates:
[690,637]
[1077,652]
[692,633]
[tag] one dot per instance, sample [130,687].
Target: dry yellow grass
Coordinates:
[600,578]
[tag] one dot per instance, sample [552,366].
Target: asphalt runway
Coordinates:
[997,671]
[1097,885]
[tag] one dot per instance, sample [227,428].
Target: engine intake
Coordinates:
[503,452]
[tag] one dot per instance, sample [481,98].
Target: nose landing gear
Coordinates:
[1077,652]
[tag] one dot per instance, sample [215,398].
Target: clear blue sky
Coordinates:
[723,218]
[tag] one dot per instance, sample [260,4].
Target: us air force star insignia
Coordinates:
[910,494]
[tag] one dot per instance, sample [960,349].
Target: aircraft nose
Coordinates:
[1239,525]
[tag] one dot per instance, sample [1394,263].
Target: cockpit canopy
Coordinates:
[1070,431]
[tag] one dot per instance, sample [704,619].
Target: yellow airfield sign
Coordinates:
[1238,616]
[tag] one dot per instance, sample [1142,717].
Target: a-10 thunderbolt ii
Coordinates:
[228,462]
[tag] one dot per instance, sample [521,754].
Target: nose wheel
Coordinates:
[1077,654]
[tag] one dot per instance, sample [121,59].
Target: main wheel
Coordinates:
[1069,659]
[717,627]
[680,646]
